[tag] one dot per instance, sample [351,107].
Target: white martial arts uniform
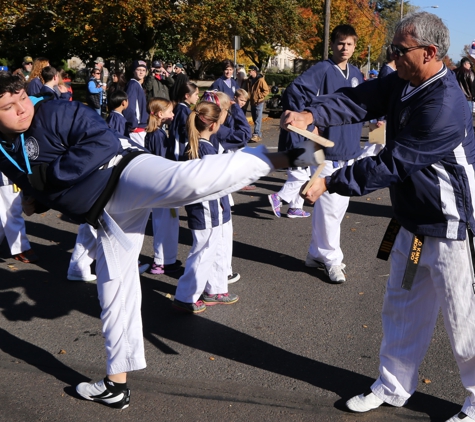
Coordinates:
[168,184]
[290,191]
[166,227]
[206,266]
[12,224]
[443,281]
[84,252]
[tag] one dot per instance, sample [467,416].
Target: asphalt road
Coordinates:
[294,348]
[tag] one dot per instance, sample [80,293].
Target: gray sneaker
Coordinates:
[191,308]
[220,299]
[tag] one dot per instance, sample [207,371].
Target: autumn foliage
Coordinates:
[199,30]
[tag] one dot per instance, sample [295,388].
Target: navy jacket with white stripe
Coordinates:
[428,161]
[208,214]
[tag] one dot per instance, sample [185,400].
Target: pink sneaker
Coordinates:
[157,269]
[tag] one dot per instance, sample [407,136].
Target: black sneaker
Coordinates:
[98,392]
[172,268]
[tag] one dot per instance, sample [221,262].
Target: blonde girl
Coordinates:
[165,221]
[205,281]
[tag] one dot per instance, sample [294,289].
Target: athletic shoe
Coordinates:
[143,267]
[172,268]
[157,269]
[460,417]
[311,262]
[364,402]
[99,392]
[275,203]
[86,278]
[27,257]
[233,278]
[192,308]
[297,213]
[255,138]
[220,299]
[336,273]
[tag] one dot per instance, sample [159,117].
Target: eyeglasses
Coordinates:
[28,63]
[400,51]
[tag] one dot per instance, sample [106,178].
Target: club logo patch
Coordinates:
[32,148]
[354,82]
[404,117]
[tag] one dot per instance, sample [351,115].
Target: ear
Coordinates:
[430,53]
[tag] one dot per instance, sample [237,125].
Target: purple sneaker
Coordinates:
[157,269]
[297,213]
[275,203]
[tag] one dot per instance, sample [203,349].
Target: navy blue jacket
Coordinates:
[117,121]
[57,95]
[136,113]
[178,136]
[220,85]
[208,214]
[234,133]
[34,86]
[157,143]
[428,161]
[323,78]
[76,142]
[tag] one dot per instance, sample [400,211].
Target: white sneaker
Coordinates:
[337,273]
[460,417]
[232,278]
[87,278]
[364,402]
[100,393]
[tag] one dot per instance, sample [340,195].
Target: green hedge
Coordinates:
[279,79]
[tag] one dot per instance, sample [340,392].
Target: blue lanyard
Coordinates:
[6,154]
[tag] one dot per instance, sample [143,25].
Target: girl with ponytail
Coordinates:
[205,280]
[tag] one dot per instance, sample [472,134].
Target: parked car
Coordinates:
[274,103]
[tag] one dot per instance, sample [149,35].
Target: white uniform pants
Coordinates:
[327,216]
[84,252]
[443,281]
[229,237]
[12,224]
[167,184]
[166,227]
[206,267]
[290,191]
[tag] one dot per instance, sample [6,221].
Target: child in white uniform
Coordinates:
[165,221]
[206,268]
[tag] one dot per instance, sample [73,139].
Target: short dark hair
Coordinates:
[227,63]
[465,60]
[48,73]
[343,31]
[116,98]
[11,84]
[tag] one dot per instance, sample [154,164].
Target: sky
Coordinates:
[457,16]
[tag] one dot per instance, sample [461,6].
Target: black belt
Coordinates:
[414,255]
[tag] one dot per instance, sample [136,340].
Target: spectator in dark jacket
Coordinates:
[466,79]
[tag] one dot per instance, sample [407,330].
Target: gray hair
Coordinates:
[427,29]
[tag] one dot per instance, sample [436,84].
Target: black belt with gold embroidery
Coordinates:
[388,240]
[412,262]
